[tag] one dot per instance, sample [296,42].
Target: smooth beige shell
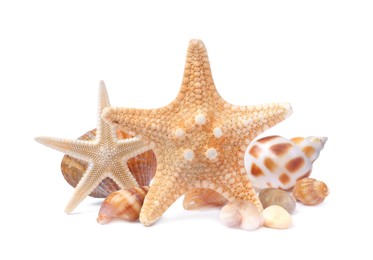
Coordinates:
[143,168]
[310,191]
[276,217]
[201,198]
[122,204]
[241,214]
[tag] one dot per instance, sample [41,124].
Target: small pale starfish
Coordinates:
[107,156]
[199,139]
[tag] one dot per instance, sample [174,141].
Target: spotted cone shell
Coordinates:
[143,168]
[277,162]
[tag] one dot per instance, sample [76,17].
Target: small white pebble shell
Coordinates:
[276,217]
[241,214]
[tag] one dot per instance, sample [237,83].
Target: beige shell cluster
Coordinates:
[279,168]
[278,198]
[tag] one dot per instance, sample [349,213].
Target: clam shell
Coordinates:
[143,168]
[310,191]
[122,204]
[201,198]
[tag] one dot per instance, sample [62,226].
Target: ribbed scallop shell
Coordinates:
[310,191]
[122,204]
[142,167]
[201,198]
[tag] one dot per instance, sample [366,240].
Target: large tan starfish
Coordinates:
[199,138]
[107,156]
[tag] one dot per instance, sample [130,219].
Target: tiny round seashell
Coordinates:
[272,196]
[241,214]
[276,217]
[142,166]
[277,162]
[202,198]
[123,204]
[310,191]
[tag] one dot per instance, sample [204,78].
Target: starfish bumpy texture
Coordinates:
[107,156]
[199,138]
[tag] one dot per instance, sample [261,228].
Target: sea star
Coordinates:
[107,156]
[199,138]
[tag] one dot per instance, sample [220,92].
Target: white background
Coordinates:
[318,55]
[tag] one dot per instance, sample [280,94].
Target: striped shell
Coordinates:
[201,198]
[310,191]
[142,167]
[277,162]
[122,204]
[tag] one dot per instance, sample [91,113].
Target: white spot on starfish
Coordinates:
[247,122]
[200,119]
[188,154]
[179,133]
[211,153]
[217,132]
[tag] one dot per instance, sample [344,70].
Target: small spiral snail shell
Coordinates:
[122,204]
[277,162]
[143,168]
[310,191]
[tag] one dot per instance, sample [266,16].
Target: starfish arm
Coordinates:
[122,176]
[132,147]
[250,121]
[144,122]
[80,149]
[198,84]
[164,191]
[103,99]
[90,180]
[103,128]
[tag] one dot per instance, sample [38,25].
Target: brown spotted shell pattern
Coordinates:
[143,168]
[277,162]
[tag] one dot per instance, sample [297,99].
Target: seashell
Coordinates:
[272,196]
[143,168]
[276,216]
[122,204]
[241,214]
[201,198]
[277,162]
[310,191]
